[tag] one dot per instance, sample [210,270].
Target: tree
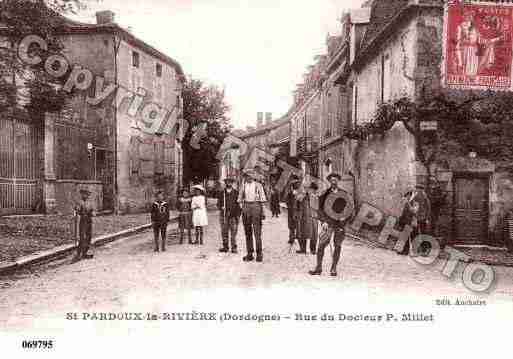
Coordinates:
[22,86]
[477,122]
[205,110]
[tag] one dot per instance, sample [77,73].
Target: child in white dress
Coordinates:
[199,212]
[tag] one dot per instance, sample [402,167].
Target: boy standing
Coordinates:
[185,215]
[85,212]
[160,219]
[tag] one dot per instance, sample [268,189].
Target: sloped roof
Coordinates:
[382,13]
[76,27]
[69,26]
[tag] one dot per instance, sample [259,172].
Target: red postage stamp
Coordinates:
[478,45]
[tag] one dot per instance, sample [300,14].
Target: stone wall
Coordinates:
[67,194]
[385,169]
[146,162]
[91,123]
[385,165]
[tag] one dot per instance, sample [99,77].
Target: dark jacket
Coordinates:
[407,216]
[184,205]
[337,207]
[292,209]
[159,213]
[424,205]
[85,212]
[232,207]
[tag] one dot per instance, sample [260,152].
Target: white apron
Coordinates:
[199,211]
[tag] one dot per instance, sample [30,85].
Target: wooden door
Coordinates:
[19,167]
[471,210]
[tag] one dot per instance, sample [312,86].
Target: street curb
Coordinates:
[8,267]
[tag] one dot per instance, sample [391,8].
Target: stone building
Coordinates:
[390,49]
[108,146]
[336,101]
[305,119]
[271,136]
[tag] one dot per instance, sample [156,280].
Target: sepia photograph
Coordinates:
[252,178]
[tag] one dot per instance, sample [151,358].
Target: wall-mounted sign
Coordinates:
[429,125]
[478,45]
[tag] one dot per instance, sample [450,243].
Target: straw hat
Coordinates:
[198,186]
[83,189]
[334,175]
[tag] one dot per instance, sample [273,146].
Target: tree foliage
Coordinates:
[479,122]
[22,85]
[205,109]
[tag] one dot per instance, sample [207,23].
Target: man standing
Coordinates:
[85,212]
[252,197]
[306,219]
[422,209]
[160,219]
[229,214]
[422,206]
[332,226]
[292,208]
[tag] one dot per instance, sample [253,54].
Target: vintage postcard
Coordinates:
[256,178]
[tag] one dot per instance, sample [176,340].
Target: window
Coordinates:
[349,104]
[382,80]
[158,70]
[385,78]
[328,166]
[158,92]
[355,105]
[135,59]
[136,81]
[329,118]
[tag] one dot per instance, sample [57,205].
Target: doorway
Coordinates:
[471,209]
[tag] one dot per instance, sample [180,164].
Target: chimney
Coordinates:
[104,17]
[260,119]
[268,117]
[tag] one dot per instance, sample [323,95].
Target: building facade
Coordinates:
[391,49]
[271,136]
[107,146]
[305,119]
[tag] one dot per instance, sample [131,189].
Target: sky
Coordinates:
[258,50]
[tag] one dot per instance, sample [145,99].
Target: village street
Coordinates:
[127,276]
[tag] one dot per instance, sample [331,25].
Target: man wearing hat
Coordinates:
[159,220]
[292,208]
[229,215]
[251,198]
[422,208]
[85,212]
[330,224]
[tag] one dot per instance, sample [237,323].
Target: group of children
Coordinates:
[192,213]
